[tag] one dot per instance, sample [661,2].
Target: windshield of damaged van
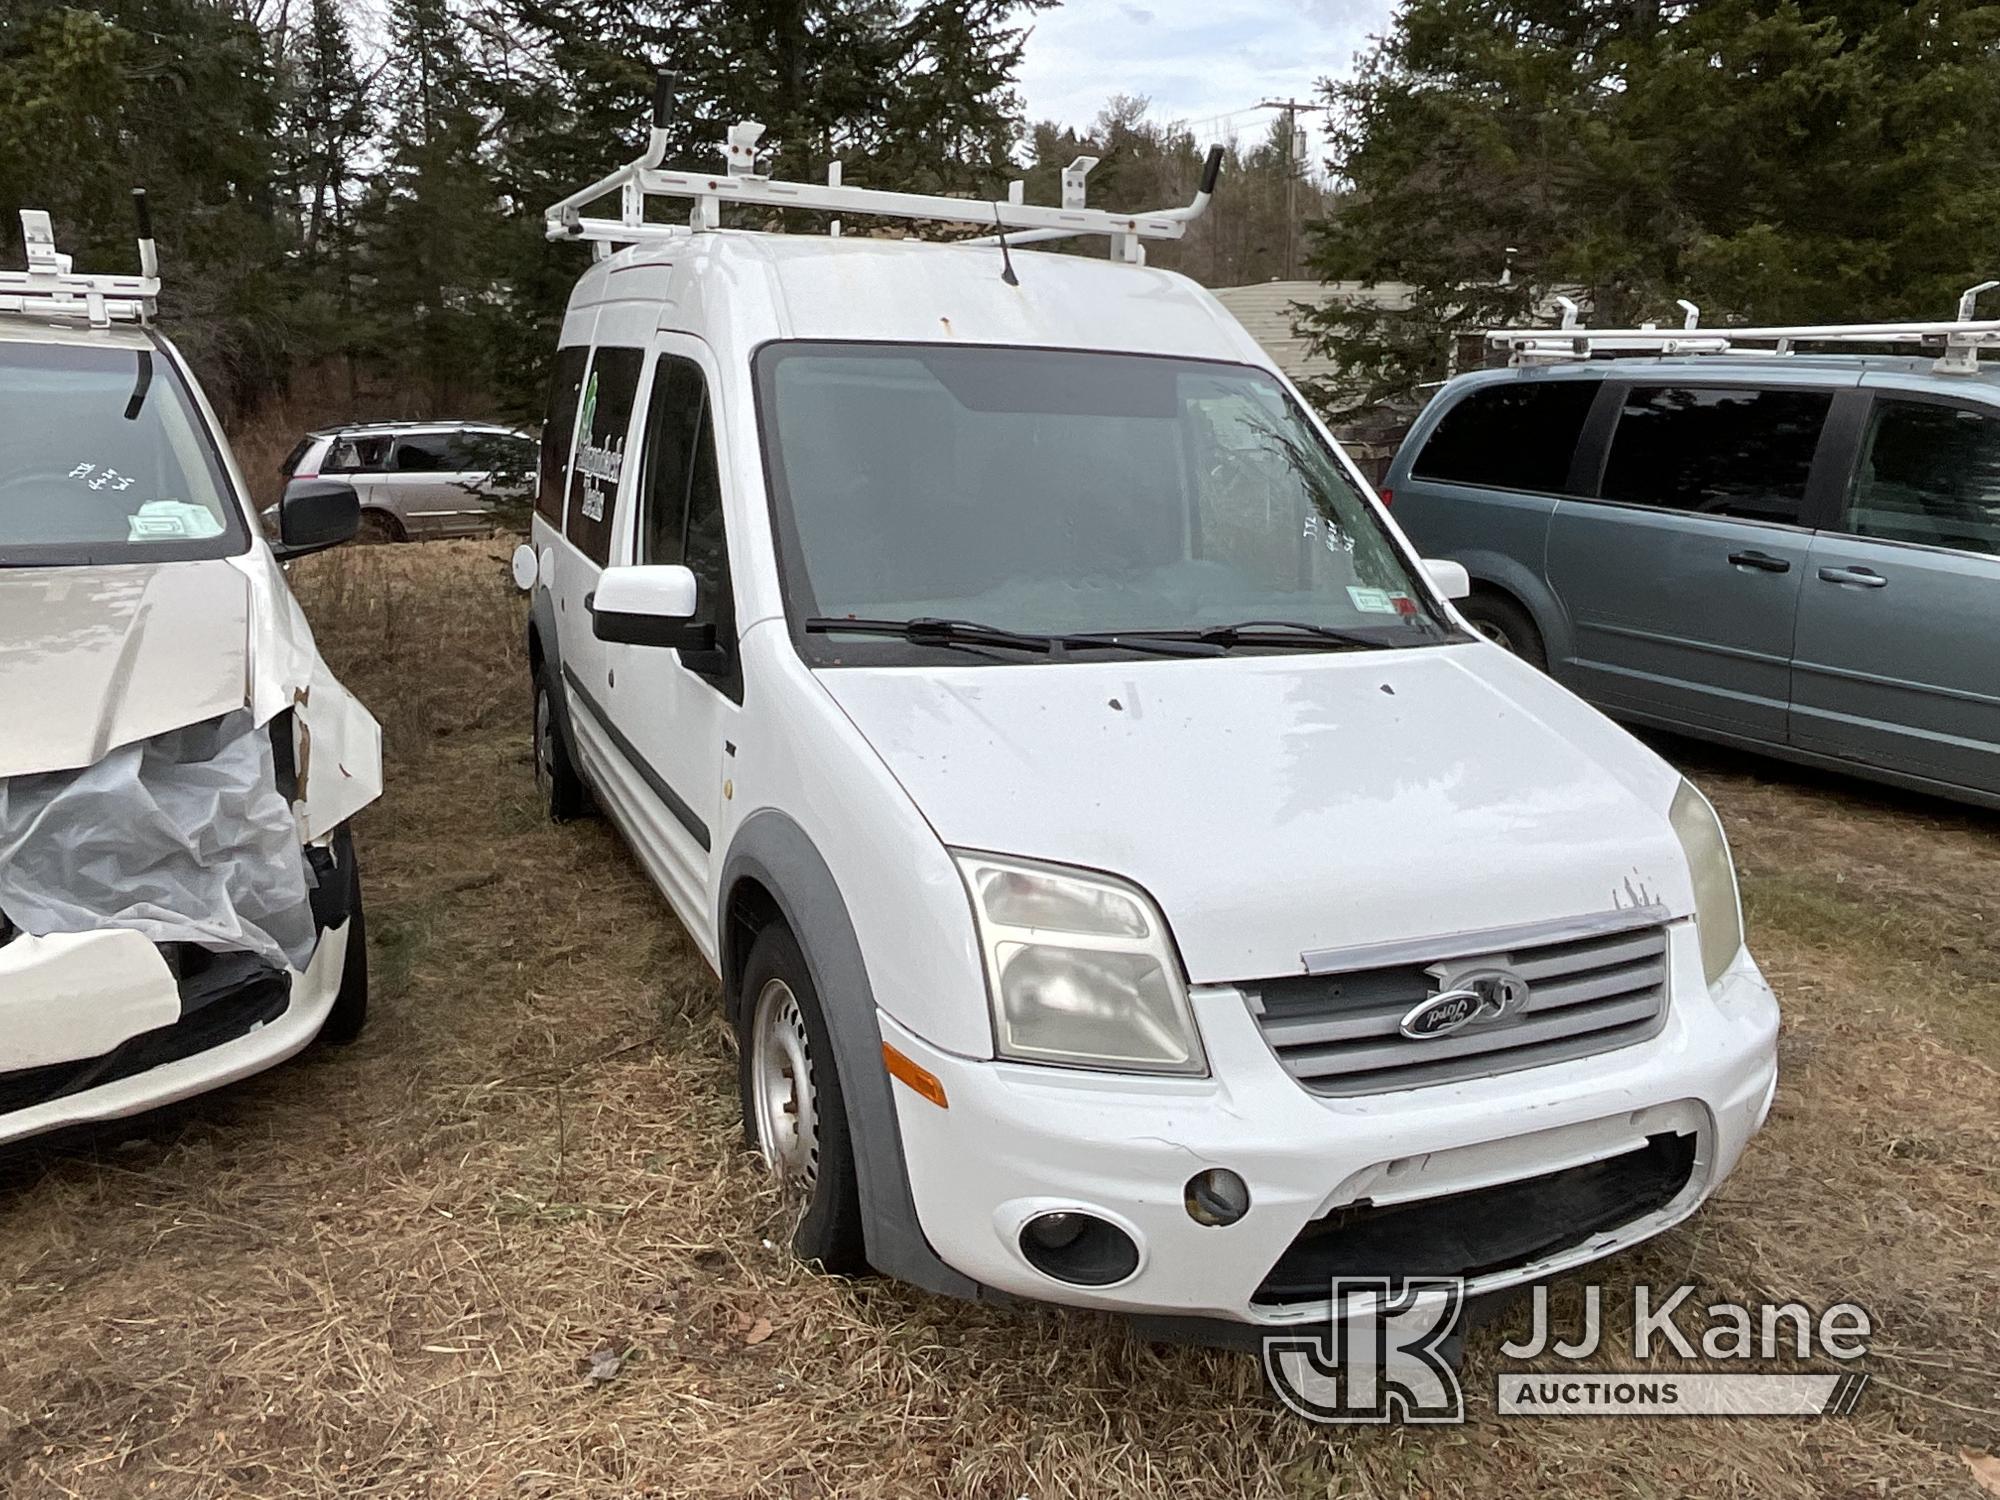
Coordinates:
[996,496]
[103,460]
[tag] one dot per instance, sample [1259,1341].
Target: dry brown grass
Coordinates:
[382,1271]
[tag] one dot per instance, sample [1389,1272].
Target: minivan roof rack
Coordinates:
[1963,337]
[51,288]
[1018,221]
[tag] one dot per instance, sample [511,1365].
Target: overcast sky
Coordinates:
[1202,61]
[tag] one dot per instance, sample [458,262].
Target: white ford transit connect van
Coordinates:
[1132,884]
[180,904]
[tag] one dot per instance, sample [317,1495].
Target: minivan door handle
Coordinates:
[1861,578]
[1762,561]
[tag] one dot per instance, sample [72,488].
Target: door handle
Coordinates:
[1861,578]
[1763,562]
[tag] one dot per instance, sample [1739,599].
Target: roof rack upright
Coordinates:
[741,182]
[1963,337]
[51,288]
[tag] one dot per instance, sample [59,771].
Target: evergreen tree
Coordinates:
[1772,160]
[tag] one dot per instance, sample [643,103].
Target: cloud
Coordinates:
[1208,63]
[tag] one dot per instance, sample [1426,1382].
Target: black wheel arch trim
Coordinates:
[542,639]
[771,849]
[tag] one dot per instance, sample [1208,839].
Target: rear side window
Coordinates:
[1517,436]
[603,419]
[1737,453]
[565,388]
[1929,474]
[424,453]
[357,455]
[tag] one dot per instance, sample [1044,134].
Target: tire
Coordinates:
[350,1004]
[563,794]
[377,528]
[782,1039]
[1507,625]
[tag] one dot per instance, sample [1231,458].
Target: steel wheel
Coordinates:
[545,751]
[781,1085]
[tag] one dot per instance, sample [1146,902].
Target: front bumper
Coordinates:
[1018,1140]
[66,999]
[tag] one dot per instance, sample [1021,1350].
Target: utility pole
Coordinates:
[1294,165]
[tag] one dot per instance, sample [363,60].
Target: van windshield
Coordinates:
[1058,492]
[103,460]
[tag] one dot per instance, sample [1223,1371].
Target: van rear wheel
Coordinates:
[794,1111]
[563,794]
[1508,625]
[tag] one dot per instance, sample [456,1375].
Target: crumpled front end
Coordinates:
[174,912]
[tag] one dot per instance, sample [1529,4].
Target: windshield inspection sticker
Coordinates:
[1372,601]
[173,520]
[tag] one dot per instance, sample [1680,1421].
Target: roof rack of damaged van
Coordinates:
[1013,220]
[1960,339]
[51,288]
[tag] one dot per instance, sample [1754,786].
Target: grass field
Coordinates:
[384,1271]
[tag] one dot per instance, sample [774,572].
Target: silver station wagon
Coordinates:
[421,480]
[1794,553]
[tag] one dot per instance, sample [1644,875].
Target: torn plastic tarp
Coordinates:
[184,837]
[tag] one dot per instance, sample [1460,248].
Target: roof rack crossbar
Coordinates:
[52,288]
[1963,337]
[741,182]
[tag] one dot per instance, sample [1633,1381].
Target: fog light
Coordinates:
[1079,1248]
[1216,1197]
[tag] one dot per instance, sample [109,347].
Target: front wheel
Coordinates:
[350,1004]
[794,1112]
[1508,625]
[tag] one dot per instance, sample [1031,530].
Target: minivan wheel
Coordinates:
[350,1004]
[562,791]
[377,529]
[794,1112]
[1506,624]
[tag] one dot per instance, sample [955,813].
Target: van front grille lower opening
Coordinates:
[1485,1231]
[1341,1033]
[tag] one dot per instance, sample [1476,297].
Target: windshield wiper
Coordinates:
[929,631]
[1276,633]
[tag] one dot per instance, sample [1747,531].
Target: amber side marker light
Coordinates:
[921,1080]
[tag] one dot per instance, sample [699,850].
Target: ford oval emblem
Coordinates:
[1476,999]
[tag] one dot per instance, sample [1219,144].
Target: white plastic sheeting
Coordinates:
[184,837]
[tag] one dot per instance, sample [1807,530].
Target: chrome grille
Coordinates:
[1338,1032]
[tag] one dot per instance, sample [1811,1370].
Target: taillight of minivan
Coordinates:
[1388,496]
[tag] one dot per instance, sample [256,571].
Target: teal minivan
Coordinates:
[1799,555]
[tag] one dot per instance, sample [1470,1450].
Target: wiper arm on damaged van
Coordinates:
[929,631]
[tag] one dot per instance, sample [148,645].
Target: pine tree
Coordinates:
[1772,160]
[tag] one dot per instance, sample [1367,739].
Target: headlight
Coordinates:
[1717,914]
[1079,969]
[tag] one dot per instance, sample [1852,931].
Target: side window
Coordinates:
[424,453]
[357,455]
[1928,474]
[603,419]
[565,387]
[680,499]
[1740,453]
[1517,436]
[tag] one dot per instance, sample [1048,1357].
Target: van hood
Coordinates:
[1281,805]
[110,655]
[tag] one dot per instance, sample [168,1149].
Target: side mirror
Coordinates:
[316,514]
[1448,578]
[648,606]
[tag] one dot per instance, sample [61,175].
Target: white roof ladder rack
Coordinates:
[50,288]
[740,182]
[1963,337]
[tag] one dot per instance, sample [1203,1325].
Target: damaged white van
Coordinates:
[179,900]
[1132,883]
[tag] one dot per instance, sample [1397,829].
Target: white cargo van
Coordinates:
[1132,884]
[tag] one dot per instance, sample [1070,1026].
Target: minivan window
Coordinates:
[1518,436]
[565,389]
[680,496]
[603,420]
[1929,474]
[357,455]
[103,459]
[424,453]
[1745,454]
[1054,491]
